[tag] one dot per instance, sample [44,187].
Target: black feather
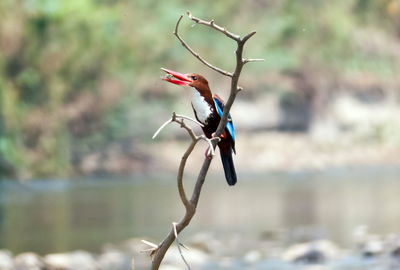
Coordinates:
[229,168]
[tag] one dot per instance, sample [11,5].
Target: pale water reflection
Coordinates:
[56,216]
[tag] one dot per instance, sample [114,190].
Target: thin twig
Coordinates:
[190,119]
[161,128]
[174,119]
[179,245]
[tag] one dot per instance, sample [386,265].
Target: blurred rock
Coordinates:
[113,260]
[316,252]
[253,120]
[368,121]
[368,245]
[393,247]
[28,261]
[296,111]
[6,261]
[359,235]
[253,256]
[395,259]
[194,256]
[81,260]
[134,245]
[205,241]
[372,248]
[396,253]
[170,267]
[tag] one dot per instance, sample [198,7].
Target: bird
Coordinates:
[208,109]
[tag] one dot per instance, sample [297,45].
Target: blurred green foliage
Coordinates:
[78,75]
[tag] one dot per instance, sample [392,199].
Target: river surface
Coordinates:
[47,216]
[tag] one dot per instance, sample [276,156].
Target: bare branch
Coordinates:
[181,189]
[190,205]
[195,139]
[214,26]
[179,245]
[195,54]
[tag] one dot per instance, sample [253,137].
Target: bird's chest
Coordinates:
[201,107]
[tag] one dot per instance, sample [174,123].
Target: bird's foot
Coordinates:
[213,137]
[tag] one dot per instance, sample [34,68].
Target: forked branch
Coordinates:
[195,54]
[158,251]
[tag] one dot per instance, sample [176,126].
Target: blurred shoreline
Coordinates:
[274,151]
[234,251]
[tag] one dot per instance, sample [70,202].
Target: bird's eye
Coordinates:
[194,78]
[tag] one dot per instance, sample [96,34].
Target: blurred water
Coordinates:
[58,215]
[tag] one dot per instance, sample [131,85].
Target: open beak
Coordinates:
[176,77]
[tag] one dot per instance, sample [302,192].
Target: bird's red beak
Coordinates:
[176,77]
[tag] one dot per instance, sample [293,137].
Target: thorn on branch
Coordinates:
[248,60]
[153,247]
[184,246]
[178,243]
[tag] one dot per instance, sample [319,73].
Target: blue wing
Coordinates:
[220,108]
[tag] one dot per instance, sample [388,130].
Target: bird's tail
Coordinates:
[229,168]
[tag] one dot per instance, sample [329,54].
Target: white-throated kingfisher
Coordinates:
[208,109]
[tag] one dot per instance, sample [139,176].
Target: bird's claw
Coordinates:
[213,137]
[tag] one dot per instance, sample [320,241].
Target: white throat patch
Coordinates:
[202,108]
